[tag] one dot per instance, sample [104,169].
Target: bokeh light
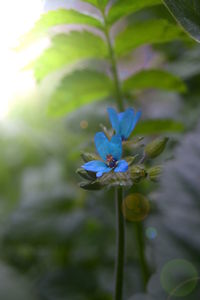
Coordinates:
[16,18]
[84,124]
[179,277]
[151,233]
[135,207]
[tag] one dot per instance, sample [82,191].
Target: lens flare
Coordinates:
[151,233]
[135,207]
[179,277]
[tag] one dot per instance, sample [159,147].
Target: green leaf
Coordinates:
[154,79]
[77,89]
[148,32]
[158,126]
[97,3]
[123,8]
[57,17]
[66,49]
[187,13]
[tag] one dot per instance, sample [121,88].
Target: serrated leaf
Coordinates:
[77,89]
[124,8]
[158,126]
[54,18]
[158,79]
[148,32]
[187,13]
[66,49]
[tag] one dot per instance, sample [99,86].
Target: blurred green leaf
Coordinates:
[57,17]
[158,126]
[154,79]
[79,88]
[187,13]
[122,8]
[148,32]
[97,3]
[66,49]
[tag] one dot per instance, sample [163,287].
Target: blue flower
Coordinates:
[123,123]
[110,152]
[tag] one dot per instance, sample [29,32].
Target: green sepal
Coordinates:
[156,147]
[115,179]
[86,156]
[105,130]
[131,159]
[154,173]
[86,174]
[90,185]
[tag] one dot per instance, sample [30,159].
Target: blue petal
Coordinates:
[114,120]
[95,166]
[99,174]
[102,144]
[122,166]
[136,118]
[106,147]
[126,123]
[115,147]
[120,116]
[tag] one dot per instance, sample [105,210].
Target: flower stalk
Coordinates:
[144,268]
[120,253]
[118,92]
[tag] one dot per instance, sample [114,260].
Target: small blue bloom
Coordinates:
[123,123]
[110,152]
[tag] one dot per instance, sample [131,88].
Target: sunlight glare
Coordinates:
[16,18]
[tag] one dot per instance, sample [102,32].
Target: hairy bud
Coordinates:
[156,147]
[137,173]
[154,173]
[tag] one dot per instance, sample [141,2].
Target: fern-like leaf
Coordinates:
[158,79]
[66,49]
[79,88]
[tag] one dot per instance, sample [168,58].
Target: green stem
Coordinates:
[141,252]
[118,91]
[119,263]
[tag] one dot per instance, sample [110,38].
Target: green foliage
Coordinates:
[122,8]
[187,13]
[57,17]
[67,49]
[97,3]
[154,79]
[78,88]
[148,32]
[158,126]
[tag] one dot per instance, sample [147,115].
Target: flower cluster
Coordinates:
[110,151]
[109,168]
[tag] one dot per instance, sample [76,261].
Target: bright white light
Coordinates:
[16,18]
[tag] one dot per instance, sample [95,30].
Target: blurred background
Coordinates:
[57,241]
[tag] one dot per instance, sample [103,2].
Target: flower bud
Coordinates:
[89,156]
[137,173]
[156,147]
[154,173]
